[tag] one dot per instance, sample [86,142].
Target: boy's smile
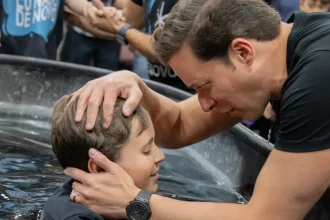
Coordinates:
[140,157]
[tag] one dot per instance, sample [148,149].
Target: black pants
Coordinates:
[81,49]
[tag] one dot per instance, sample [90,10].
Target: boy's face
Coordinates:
[311,6]
[140,158]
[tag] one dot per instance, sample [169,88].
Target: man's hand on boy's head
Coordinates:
[106,89]
[117,186]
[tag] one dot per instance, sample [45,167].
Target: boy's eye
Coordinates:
[147,152]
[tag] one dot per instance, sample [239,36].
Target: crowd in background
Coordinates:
[86,33]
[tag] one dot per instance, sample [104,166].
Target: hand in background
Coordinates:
[110,20]
[92,11]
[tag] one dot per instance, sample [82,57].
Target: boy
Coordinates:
[311,6]
[129,142]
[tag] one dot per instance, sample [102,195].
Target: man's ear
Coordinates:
[242,50]
[93,168]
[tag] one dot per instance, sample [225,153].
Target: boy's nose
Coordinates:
[159,156]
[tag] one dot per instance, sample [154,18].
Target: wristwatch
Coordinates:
[120,36]
[139,208]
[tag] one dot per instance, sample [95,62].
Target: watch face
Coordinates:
[137,210]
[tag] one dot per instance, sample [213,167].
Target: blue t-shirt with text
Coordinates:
[31,27]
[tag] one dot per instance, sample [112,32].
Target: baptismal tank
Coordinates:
[222,168]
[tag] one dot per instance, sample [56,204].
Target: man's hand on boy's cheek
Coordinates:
[105,193]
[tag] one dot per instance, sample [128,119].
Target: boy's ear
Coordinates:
[93,168]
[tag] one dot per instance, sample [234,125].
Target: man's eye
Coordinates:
[203,85]
[206,85]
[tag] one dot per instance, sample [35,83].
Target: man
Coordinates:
[140,14]
[34,28]
[237,62]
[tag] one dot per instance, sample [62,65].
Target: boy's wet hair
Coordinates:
[71,141]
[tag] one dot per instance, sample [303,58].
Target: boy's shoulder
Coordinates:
[60,207]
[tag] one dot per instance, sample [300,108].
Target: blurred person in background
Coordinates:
[140,65]
[139,14]
[35,28]
[131,59]
[311,6]
[82,47]
[286,7]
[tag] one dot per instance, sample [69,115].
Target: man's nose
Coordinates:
[206,103]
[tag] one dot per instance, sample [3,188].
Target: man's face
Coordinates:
[235,88]
[140,157]
[311,6]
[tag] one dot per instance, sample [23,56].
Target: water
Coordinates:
[29,172]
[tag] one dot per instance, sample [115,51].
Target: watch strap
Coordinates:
[121,34]
[124,28]
[143,196]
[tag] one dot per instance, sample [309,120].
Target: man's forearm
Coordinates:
[184,123]
[141,42]
[77,6]
[271,200]
[164,113]
[180,210]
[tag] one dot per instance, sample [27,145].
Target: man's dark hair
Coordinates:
[209,27]
[71,141]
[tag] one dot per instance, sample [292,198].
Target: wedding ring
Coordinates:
[74,197]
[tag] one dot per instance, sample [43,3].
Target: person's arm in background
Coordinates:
[139,40]
[83,23]
[75,13]
[134,15]
[120,4]
[79,7]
